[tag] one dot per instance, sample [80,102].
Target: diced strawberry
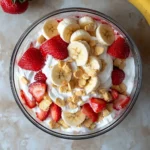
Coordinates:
[121,102]
[55,112]
[30,103]
[88,111]
[97,104]
[42,115]
[37,89]
[59,20]
[55,47]
[119,49]
[40,77]
[114,94]
[117,76]
[32,59]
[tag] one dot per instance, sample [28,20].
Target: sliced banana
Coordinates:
[49,29]
[92,64]
[105,34]
[79,51]
[92,85]
[73,119]
[83,21]
[80,35]
[59,75]
[66,28]
[70,20]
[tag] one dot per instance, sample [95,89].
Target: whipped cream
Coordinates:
[129,71]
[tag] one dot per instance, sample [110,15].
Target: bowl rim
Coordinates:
[25,112]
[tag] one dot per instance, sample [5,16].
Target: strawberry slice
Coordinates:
[97,104]
[121,102]
[117,76]
[88,111]
[119,49]
[42,115]
[55,47]
[55,112]
[28,102]
[114,94]
[32,59]
[38,90]
[40,76]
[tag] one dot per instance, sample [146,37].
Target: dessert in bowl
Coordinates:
[75,73]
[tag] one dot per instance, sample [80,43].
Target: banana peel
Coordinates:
[143,6]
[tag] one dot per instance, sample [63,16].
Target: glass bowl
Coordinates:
[25,40]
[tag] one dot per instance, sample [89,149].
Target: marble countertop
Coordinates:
[17,133]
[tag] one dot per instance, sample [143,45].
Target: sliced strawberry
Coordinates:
[37,89]
[88,111]
[114,94]
[40,77]
[117,76]
[97,104]
[28,102]
[32,59]
[121,102]
[119,49]
[55,112]
[55,47]
[42,115]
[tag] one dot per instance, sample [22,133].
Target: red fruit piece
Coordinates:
[121,102]
[11,7]
[55,112]
[32,59]
[37,89]
[55,47]
[114,94]
[28,102]
[117,76]
[119,49]
[97,104]
[42,115]
[88,111]
[40,77]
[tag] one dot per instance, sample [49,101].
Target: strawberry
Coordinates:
[55,112]
[40,77]
[38,90]
[32,59]
[114,94]
[121,102]
[14,6]
[119,49]
[42,115]
[28,102]
[88,111]
[117,76]
[97,104]
[55,47]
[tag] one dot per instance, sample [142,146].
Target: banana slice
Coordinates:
[105,34]
[92,64]
[66,28]
[60,74]
[85,21]
[79,51]
[80,35]
[49,29]
[73,119]
[70,20]
[92,85]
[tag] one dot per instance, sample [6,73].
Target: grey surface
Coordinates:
[17,133]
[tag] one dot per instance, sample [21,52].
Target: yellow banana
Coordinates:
[143,6]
